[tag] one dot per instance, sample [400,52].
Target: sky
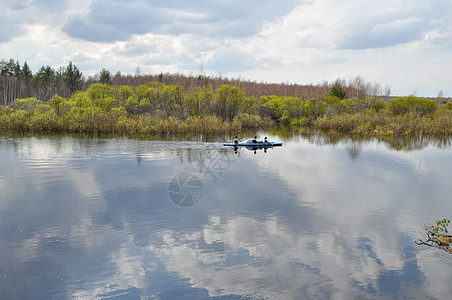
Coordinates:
[403,44]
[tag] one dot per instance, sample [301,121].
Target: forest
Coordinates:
[63,101]
[18,81]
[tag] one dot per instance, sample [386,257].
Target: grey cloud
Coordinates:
[28,8]
[114,20]
[17,5]
[405,25]
[16,14]
[384,35]
[117,20]
[49,5]
[8,31]
[9,27]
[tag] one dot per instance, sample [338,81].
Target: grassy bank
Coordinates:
[159,109]
[44,120]
[438,124]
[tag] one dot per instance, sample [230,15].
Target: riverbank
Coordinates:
[438,124]
[157,109]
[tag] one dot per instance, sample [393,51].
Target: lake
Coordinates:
[318,218]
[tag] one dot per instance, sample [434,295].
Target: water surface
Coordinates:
[127,219]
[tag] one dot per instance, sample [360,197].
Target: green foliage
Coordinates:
[302,121]
[55,102]
[272,106]
[199,100]
[72,77]
[26,103]
[101,95]
[144,95]
[98,91]
[44,121]
[437,236]
[207,124]
[228,100]
[123,93]
[245,120]
[404,105]
[157,108]
[314,108]
[81,99]
[15,120]
[335,105]
[441,226]
[338,91]
[378,105]
[105,76]
[448,105]
[171,100]
[283,110]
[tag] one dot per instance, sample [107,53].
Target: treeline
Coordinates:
[158,108]
[18,81]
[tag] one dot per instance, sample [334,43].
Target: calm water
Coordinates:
[127,219]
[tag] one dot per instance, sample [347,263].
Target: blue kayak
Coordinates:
[254,144]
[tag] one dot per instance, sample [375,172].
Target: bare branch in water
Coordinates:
[436,239]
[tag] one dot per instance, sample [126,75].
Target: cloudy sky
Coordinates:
[405,44]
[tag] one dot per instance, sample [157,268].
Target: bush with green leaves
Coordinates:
[28,104]
[227,103]
[282,110]
[198,101]
[314,108]
[448,106]
[404,105]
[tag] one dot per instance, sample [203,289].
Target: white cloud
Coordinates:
[403,44]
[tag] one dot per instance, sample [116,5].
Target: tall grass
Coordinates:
[438,123]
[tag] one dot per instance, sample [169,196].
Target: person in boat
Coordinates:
[255,140]
[236,140]
[266,140]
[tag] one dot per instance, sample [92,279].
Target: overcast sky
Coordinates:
[405,44]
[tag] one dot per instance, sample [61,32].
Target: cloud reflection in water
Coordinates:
[303,221]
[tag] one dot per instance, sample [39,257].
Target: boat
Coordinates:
[270,144]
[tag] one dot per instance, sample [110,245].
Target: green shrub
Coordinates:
[228,100]
[44,121]
[199,100]
[100,91]
[378,105]
[314,108]
[281,109]
[302,121]
[123,93]
[403,105]
[248,121]
[448,105]
[335,105]
[56,103]
[207,124]
[26,103]
[15,120]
